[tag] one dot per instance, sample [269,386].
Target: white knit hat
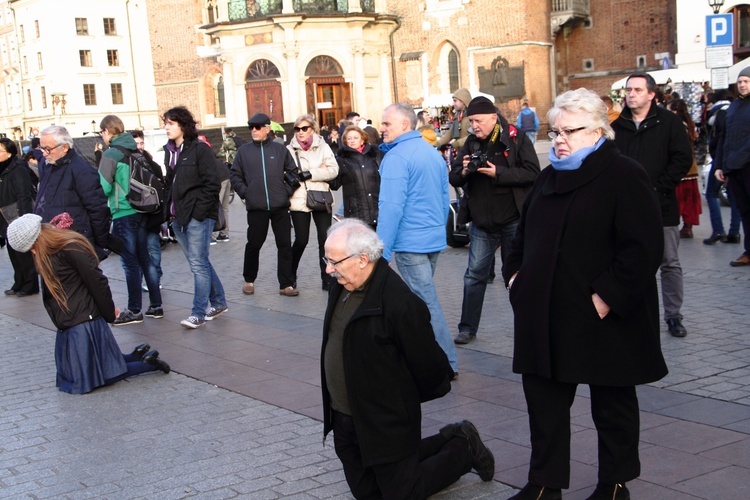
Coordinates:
[23,232]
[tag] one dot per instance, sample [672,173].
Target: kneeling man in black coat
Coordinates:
[379,362]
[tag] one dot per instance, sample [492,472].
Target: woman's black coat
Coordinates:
[360,179]
[15,186]
[595,229]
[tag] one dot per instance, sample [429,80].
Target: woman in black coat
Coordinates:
[581,277]
[359,176]
[16,199]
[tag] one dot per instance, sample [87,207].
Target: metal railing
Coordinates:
[252,9]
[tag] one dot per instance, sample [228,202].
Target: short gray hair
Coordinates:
[583,101]
[59,133]
[405,111]
[360,238]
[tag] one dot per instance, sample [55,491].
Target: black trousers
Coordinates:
[25,278]
[301,222]
[438,464]
[617,420]
[257,230]
[739,186]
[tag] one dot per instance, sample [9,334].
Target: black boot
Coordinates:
[152,358]
[141,350]
[534,492]
[616,491]
[482,459]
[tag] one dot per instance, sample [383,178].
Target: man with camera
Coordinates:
[262,174]
[496,167]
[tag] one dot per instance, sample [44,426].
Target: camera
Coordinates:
[476,161]
[292,180]
[304,175]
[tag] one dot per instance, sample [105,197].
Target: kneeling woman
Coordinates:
[77,297]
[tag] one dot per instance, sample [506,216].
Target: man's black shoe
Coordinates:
[732,238]
[23,293]
[715,238]
[675,327]
[616,491]
[533,492]
[482,459]
[141,350]
[10,292]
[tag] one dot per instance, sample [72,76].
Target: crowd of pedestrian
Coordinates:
[580,244]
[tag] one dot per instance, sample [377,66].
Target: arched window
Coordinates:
[453,69]
[212,11]
[219,105]
[324,66]
[262,69]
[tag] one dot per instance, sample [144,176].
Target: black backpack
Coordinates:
[146,194]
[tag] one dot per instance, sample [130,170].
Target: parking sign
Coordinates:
[719,30]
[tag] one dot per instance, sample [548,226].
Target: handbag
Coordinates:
[320,201]
[10,212]
[221,222]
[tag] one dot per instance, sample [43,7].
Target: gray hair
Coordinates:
[309,119]
[59,133]
[583,101]
[360,238]
[405,111]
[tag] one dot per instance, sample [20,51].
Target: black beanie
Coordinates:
[481,106]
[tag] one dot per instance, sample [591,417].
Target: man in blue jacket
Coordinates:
[413,209]
[733,154]
[68,184]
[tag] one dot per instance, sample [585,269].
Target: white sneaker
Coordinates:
[193,322]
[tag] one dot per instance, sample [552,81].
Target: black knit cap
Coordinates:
[258,119]
[481,106]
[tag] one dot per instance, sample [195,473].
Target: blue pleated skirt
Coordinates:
[86,356]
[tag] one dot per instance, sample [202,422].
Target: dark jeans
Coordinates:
[615,414]
[301,223]
[739,185]
[481,265]
[136,260]
[437,465]
[714,208]
[25,278]
[257,230]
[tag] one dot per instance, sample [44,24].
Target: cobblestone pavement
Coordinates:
[239,416]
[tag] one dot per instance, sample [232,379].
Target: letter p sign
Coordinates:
[719,30]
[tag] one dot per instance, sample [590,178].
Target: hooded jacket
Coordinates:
[257,175]
[114,175]
[662,146]
[463,124]
[360,180]
[320,162]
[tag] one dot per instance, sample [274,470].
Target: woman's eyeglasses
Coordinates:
[303,128]
[564,133]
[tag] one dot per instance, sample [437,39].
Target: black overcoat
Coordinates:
[595,229]
[392,363]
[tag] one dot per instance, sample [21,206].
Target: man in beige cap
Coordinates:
[459,130]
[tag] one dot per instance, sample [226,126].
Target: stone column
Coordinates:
[234,98]
[359,79]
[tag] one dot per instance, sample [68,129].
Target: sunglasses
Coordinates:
[303,128]
[257,127]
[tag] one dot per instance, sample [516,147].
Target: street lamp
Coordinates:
[716,5]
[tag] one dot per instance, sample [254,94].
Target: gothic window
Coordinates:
[324,66]
[262,69]
[219,105]
[453,69]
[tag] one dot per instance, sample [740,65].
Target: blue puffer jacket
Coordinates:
[72,185]
[413,205]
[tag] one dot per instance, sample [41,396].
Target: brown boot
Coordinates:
[686,231]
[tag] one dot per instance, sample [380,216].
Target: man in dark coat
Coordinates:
[657,139]
[379,361]
[733,154]
[258,177]
[69,184]
[496,189]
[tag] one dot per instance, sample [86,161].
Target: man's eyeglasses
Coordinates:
[303,128]
[258,127]
[564,133]
[334,263]
[49,150]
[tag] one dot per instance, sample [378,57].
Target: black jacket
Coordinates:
[15,186]
[733,150]
[193,185]
[72,185]
[392,363]
[257,175]
[517,167]
[360,179]
[661,144]
[86,287]
[594,229]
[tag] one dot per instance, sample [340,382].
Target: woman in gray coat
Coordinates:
[581,277]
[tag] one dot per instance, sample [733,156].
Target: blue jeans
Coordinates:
[195,239]
[481,264]
[153,240]
[417,270]
[714,208]
[136,260]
